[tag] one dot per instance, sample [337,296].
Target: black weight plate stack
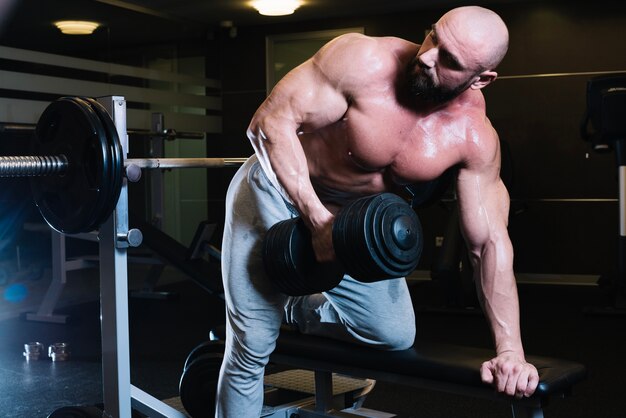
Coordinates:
[198,385]
[75,201]
[378,237]
[350,245]
[207,347]
[290,261]
[394,237]
[117,158]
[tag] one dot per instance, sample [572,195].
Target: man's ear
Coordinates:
[483,79]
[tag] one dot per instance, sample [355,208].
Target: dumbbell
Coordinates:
[375,238]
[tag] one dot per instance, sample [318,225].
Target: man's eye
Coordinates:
[450,62]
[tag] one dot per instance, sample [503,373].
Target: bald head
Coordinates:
[481,32]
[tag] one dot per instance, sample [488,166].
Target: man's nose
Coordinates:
[428,58]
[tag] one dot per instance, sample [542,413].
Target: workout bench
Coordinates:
[433,366]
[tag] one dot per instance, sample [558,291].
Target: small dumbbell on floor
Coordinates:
[375,238]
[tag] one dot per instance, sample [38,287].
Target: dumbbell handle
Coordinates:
[33,166]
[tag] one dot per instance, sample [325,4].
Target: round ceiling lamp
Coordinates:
[276,7]
[76,27]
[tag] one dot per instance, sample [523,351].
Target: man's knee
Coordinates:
[387,333]
[251,348]
[398,336]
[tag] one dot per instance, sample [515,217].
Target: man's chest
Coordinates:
[413,146]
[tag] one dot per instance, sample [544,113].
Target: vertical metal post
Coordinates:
[323,391]
[114,289]
[156,176]
[620,279]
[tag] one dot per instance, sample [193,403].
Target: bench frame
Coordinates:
[520,408]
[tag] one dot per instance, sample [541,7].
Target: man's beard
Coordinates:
[422,86]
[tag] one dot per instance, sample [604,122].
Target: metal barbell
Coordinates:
[49,165]
[77,166]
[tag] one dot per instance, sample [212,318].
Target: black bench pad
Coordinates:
[425,360]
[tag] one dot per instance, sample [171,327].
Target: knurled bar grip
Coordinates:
[34,166]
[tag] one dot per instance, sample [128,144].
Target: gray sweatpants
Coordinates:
[375,314]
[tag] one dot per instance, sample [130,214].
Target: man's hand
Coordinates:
[511,374]
[322,238]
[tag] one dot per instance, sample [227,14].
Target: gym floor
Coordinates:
[164,331]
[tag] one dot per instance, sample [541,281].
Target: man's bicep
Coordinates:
[483,207]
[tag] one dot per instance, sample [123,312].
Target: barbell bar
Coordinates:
[77,166]
[168,134]
[35,165]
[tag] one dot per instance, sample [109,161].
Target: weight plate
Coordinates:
[372,236]
[399,239]
[394,238]
[206,347]
[105,195]
[198,385]
[363,236]
[314,276]
[116,162]
[72,203]
[348,241]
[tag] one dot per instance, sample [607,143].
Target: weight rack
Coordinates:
[120,396]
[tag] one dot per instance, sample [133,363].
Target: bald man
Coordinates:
[366,115]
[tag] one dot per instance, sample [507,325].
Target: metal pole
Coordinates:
[169,134]
[620,279]
[155,163]
[33,166]
[157,205]
[114,290]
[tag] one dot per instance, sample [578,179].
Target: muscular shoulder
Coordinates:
[350,60]
[480,144]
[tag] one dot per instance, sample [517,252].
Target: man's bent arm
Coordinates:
[311,96]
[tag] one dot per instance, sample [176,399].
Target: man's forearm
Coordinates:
[285,164]
[499,300]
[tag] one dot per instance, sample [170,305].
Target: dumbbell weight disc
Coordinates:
[395,238]
[278,260]
[290,260]
[377,237]
[349,238]
[350,247]
[72,202]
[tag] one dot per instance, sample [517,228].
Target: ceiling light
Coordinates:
[276,7]
[76,27]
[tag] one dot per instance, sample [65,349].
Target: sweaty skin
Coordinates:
[346,120]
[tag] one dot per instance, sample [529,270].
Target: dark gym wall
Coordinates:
[538,115]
